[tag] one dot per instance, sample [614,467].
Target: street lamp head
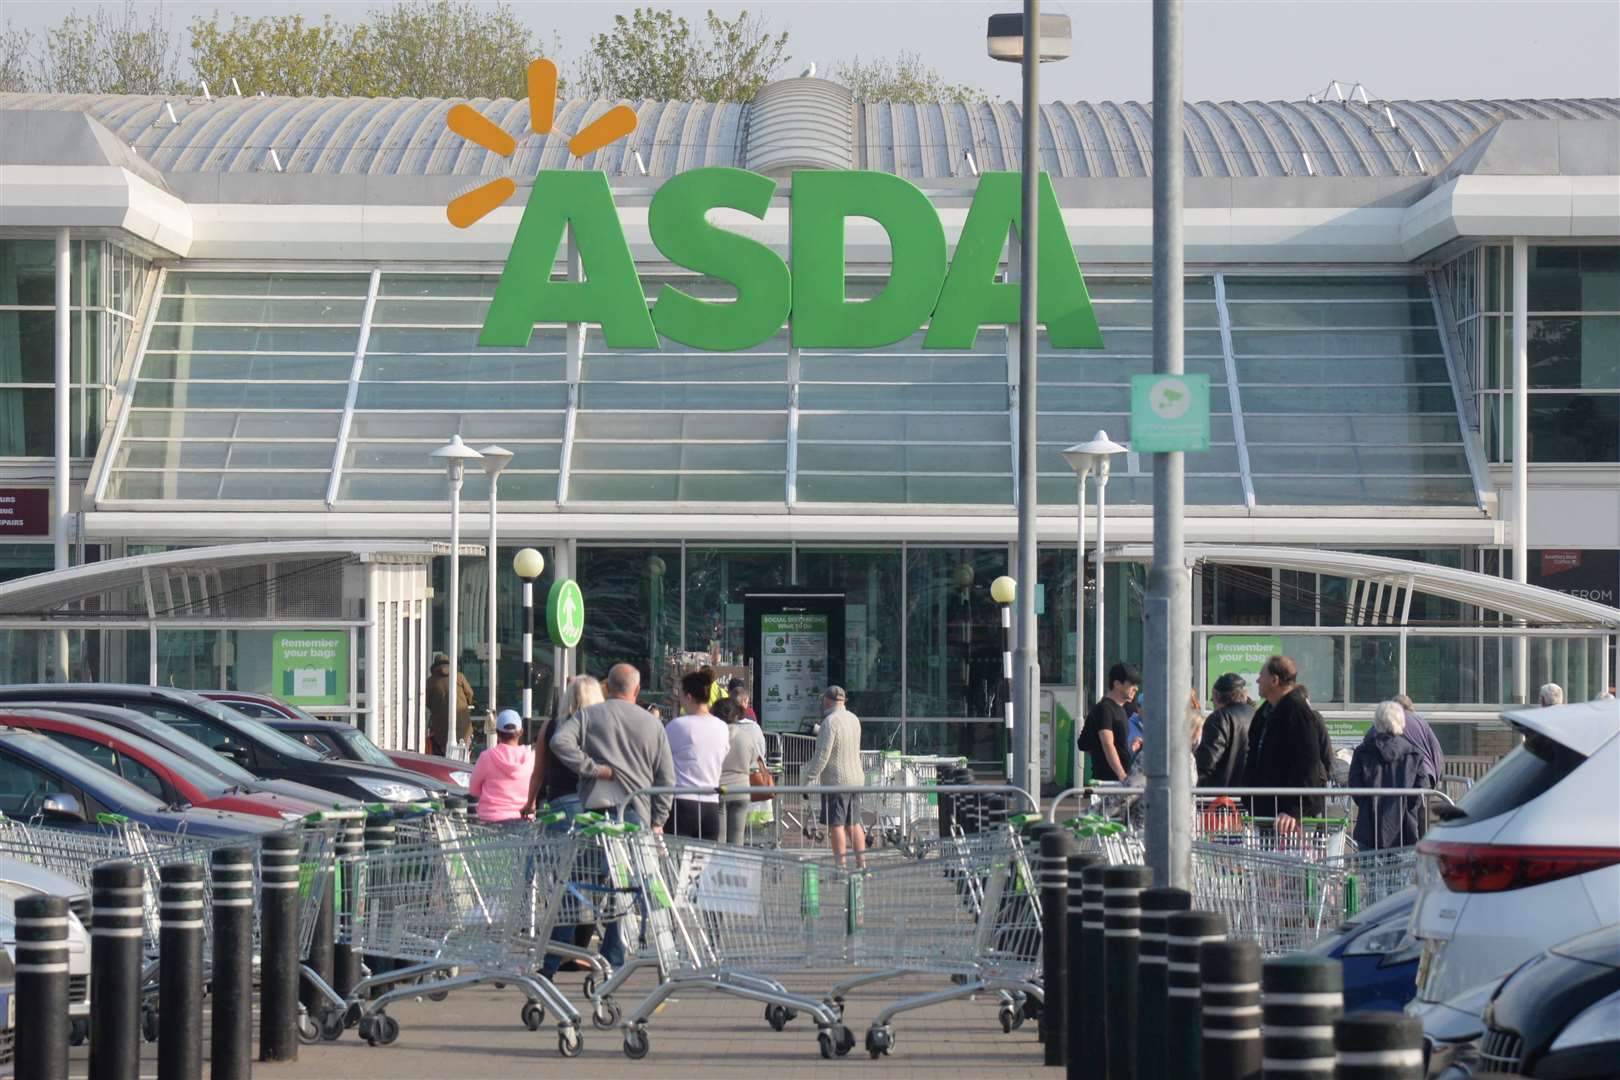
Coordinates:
[529,564]
[1003,590]
[495,458]
[455,454]
[1099,446]
[1004,38]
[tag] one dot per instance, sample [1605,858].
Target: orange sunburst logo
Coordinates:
[473,126]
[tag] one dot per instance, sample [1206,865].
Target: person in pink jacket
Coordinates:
[500,779]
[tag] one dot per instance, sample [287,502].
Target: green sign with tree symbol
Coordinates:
[565,613]
[1169,413]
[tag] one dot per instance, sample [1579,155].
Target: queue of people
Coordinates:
[1281,743]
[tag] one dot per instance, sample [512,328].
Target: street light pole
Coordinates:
[455,454]
[1169,610]
[1082,470]
[529,565]
[494,459]
[1083,458]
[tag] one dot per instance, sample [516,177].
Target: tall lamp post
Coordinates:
[1027,39]
[455,454]
[1084,458]
[1003,591]
[529,565]
[494,459]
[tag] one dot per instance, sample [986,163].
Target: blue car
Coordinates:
[1380,958]
[40,779]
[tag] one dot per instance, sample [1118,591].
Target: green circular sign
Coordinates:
[565,613]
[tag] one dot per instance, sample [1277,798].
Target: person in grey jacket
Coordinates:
[616,747]
[1387,759]
[836,763]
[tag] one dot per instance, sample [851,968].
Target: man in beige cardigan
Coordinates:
[837,762]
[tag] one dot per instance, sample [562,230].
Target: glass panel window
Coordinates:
[717,579]
[1574,278]
[873,604]
[1575,353]
[953,635]
[1575,427]
[635,610]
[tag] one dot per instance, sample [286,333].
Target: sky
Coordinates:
[1234,49]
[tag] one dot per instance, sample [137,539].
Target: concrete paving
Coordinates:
[477,1034]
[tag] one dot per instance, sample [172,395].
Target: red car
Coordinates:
[339,739]
[153,768]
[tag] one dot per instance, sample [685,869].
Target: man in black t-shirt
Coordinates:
[1106,735]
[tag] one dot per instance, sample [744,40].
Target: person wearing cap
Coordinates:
[1223,749]
[837,763]
[438,705]
[500,779]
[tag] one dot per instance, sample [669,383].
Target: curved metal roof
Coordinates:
[408,136]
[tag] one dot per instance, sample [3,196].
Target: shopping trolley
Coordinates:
[483,909]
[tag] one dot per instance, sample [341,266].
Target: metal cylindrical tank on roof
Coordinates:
[804,123]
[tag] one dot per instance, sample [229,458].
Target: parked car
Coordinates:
[1556,1016]
[344,740]
[252,744]
[8,1016]
[1378,953]
[155,731]
[19,878]
[1530,855]
[162,773]
[40,779]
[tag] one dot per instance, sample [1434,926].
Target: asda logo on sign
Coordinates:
[953,296]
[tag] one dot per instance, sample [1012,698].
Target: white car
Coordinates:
[19,879]
[1528,858]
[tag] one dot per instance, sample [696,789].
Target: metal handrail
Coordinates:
[831,789]
[1245,792]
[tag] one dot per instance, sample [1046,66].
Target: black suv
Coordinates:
[252,744]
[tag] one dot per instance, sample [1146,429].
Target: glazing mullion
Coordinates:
[1465,422]
[1234,394]
[354,387]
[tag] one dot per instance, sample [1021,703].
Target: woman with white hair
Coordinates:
[1386,758]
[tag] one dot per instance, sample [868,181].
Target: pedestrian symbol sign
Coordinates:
[1169,413]
[565,613]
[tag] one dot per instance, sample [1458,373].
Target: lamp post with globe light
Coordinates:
[494,459]
[1028,39]
[455,454]
[1004,590]
[529,564]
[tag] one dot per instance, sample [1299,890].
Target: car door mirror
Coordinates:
[62,807]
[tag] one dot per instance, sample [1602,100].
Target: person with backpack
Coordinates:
[1106,736]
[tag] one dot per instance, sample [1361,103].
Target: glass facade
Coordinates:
[106,282]
[331,388]
[1573,319]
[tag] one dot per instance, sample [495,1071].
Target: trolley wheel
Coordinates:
[332,1024]
[379,1030]
[879,1041]
[351,1014]
[149,1024]
[438,995]
[1010,1018]
[776,1016]
[534,1014]
[846,1040]
[569,1042]
[309,1031]
[78,1032]
[1032,1007]
[635,1043]
[605,1014]
[824,1040]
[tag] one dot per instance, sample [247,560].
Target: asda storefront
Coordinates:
[708,394]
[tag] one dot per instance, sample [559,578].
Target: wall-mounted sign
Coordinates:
[310,667]
[1243,654]
[1587,574]
[795,643]
[25,512]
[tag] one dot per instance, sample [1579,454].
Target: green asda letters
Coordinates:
[954,296]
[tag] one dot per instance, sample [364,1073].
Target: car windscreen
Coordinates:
[197,754]
[1526,773]
[364,749]
[104,785]
[259,731]
[209,783]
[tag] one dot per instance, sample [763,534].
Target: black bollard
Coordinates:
[1093,974]
[1056,847]
[1189,931]
[1077,1064]
[1230,1009]
[180,971]
[1373,1046]
[1302,996]
[42,988]
[321,958]
[278,948]
[1032,835]
[1122,926]
[345,961]
[379,837]
[230,1048]
[1152,979]
[116,928]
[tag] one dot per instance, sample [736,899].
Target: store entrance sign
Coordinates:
[565,613]
[1169,413]
[25,512]
[311,667]
[954,296]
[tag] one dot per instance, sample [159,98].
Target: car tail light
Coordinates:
[1488,868]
